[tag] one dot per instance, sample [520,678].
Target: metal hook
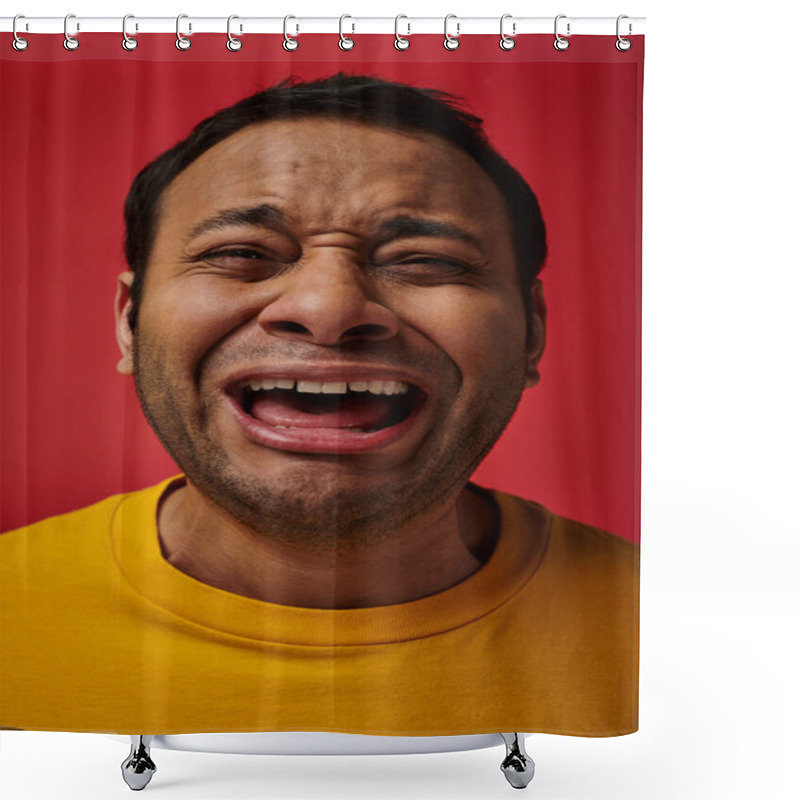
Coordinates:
[128,42]
[233,44]
[289,43]
[560,43]
[70,42]
[451,42]
[19,43]
[345,42]
[182,43]
[623,44]
[506,42]
[400,42]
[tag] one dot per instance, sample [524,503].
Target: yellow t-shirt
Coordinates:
[98,633]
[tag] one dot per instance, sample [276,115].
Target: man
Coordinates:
[331,312]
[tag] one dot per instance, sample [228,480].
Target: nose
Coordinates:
[328,300]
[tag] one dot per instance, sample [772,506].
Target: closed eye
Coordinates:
[442,262]
[426,270]
[245,263]
[238,252]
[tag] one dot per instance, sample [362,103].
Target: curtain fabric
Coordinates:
[386,478]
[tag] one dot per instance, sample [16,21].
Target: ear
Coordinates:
[536,334]
[122,307]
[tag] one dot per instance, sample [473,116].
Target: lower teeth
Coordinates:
[354,430]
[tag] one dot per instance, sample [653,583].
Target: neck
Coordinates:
[436,551]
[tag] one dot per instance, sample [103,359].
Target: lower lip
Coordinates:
[320,440]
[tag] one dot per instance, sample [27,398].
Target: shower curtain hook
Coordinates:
[560,43]
[506,42]
[19,43]
[400,42]
[345,42]
[451,42]
[622,44]
[233,44]
[289,43]
[182,43]
[128,42]
[70,42]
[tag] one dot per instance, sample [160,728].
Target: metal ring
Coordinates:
[182,43]
[451,42]
[289,42]
[560,42]
[400,42]
[345,42]
[506,42]
[128,42]
[233,44]
[622,44]
[70,42]
[19,43]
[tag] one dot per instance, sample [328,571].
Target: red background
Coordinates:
[76,128]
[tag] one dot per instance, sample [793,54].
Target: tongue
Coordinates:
[321,411]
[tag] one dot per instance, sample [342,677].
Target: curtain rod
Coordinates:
[408,26]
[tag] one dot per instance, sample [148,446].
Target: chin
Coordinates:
[317,505]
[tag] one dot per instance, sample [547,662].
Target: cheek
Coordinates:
[482,333]
[187,318]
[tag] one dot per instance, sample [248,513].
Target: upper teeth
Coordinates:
[329,387]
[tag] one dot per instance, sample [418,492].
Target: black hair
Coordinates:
[361,98]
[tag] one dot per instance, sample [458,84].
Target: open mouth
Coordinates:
[352,407]
[322,416]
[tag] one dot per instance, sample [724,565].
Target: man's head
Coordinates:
[358,98]
[332,307]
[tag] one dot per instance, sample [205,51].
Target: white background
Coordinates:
[721,539]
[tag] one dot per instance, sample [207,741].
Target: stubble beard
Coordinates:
[322,510]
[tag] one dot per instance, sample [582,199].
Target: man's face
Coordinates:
[331,334]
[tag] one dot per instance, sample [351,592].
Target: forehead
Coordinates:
[335,172]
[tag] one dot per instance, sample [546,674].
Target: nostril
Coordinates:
[327,331]
[365,330]
[287,326]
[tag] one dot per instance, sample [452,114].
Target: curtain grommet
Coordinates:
[451,42]
[182,42]
[290,44]
[128,42]
[233,44]
[401,42]
[70,42]
[507,42]
[622,44]
[345,42]
[560,43]
[18,43]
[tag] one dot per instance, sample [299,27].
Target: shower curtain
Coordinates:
[334,423]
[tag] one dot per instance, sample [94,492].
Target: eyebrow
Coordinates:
[263,216]
[269,216]
[402,226]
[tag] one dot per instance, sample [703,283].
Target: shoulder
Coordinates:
[607,566]
[578,612]
[64,538]
[576,550]
[54,544]
[578,538]
[69,522]
[593,573]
